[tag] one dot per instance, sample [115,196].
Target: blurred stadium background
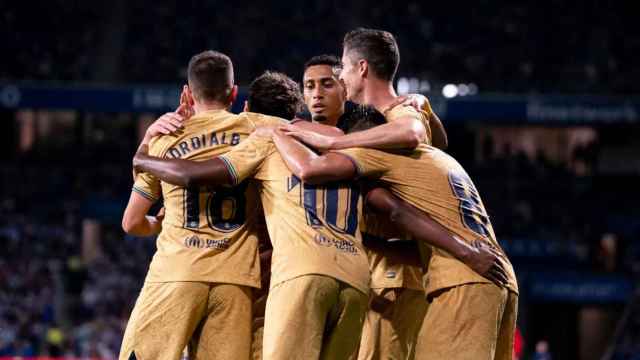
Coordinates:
[538,100]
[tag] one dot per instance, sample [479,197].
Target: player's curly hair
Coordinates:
[275,94]
[378,47]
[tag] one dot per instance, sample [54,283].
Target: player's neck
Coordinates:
[202,107]
[333,121]
[379,94]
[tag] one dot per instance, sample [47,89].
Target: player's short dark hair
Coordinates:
[210,75]
[275,94]
[324,59]
[378,47]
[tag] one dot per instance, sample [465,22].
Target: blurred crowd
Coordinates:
[496,44]
[56,298]
[580,221]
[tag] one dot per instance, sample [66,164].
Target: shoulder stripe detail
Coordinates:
[144,193]
[232,170]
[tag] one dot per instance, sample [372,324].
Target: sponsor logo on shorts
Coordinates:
[196,242]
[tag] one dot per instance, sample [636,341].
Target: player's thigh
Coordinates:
[342,332]
[463,322]
[392,334]
[257,328]
[225,331]
[295,317]
[506,333]
[163,319]
[371,328]
[401,330]
[421,346]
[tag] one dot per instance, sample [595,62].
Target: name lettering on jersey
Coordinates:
[205,140]
[196,242]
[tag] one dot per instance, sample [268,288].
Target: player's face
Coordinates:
[351,77]
[324,95]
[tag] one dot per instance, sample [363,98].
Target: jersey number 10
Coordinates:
[343,220]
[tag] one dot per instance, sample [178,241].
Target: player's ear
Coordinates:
[246,106]
[363,67]
[344,88]
[233,95]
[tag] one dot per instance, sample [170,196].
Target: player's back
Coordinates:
[208,233]
[313,229]
[437,184]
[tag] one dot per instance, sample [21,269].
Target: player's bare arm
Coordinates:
[309,166]
[438,134]
[403,133]
[483,260]
[327,130]
[135,220]
[182,172]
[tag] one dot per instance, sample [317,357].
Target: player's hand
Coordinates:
[185,109]
[265,131]
[486,261]
[319,142]
[160,214]
[418,102]
[169,123]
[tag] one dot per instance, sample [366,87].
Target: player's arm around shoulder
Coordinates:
[437,133]
[309,166]
[482,259]
[402,132]
[331,131]
[181,172]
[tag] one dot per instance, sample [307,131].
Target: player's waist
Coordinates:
[446,271]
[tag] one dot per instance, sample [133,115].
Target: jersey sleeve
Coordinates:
[266,120]
[402,111]
[247,158]
[368,162]
[146,184]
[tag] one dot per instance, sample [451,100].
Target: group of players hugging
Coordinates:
[340,232]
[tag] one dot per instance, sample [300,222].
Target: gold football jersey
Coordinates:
[385,273]
[436,183]
[402,111]
[207,234]
[314,229]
